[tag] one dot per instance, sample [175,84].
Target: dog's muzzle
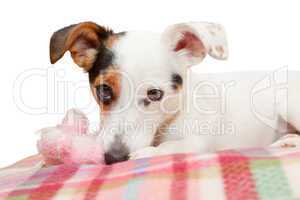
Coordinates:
[117,152]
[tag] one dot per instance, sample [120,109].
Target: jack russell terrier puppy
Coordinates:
[152,104]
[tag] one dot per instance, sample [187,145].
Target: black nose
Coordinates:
[117,152]
[111,158]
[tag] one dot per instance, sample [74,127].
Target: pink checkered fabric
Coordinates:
[236,174]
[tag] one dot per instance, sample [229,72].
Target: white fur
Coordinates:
[143,61]
[250,129]
[147,60]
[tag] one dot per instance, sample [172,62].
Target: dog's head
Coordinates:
[137,77]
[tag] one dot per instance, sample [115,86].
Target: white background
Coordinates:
[261,34]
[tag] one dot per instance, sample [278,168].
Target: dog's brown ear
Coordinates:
[82,40]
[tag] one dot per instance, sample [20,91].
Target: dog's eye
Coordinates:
[104,93]
[155,94]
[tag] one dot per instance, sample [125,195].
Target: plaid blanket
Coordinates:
[236,174]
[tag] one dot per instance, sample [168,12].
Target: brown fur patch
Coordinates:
[177,82]
[104,57]
[162,129]
[286,145]
[112,78]
[86,61]
[82,40]
[111,40]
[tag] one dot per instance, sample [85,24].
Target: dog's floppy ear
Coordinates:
[192,41]
[82,40]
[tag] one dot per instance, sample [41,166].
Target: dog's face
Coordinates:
[137,77]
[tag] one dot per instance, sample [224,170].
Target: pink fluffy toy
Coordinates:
[70,142]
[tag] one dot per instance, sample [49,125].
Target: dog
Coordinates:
[151,103]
